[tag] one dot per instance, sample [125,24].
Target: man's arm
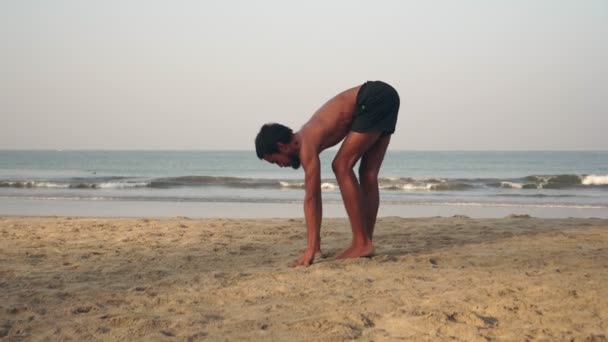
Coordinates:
[313,208]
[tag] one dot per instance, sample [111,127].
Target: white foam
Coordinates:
[300,185]
[50,185]
[329,186]
[595,180]
[417,187]
[122,185]
[420,186]
[40,184]
[542,181]
[511,185]
[286,184]
[431,186]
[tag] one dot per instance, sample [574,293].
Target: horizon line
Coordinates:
[253,151]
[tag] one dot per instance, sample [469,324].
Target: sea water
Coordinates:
[199,183]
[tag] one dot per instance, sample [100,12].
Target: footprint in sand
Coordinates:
[210,318]
[247,247]
[367,322]
[103,330]
[386,258]
[197,336]
[5,329]
[81,310]
[473,318]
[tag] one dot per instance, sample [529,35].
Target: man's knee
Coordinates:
[341,167]
[368,175]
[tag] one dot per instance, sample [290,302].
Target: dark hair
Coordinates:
[271,134]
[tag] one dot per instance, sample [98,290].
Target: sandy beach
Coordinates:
[454,278]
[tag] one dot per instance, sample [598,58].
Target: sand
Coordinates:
[178,279]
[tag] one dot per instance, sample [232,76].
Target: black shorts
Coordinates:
[377,108]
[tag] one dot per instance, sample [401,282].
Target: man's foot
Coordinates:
[357,251]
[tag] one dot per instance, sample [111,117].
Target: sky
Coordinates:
[205,75]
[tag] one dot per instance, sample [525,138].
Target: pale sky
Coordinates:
[472,75]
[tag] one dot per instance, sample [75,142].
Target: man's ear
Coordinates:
[282,147]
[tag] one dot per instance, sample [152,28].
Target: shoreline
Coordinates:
[142,209]
[189,279]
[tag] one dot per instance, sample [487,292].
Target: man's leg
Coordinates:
[368,179]
[354,146]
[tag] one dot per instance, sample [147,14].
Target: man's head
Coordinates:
[273,144]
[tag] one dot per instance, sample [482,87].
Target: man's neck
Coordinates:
[296,142]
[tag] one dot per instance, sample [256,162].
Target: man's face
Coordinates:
[283,159]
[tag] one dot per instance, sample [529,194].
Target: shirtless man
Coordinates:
[364,117]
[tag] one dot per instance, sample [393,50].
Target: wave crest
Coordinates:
[386,183]
[595,180]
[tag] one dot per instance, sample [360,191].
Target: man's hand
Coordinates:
[305,260]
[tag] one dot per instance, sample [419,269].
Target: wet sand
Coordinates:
[514,278]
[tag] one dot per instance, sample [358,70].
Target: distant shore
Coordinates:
[512,278]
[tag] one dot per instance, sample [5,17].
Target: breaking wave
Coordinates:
[75,183]
[595,180]
[406,184]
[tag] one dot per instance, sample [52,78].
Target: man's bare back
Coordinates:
[363,117]
[330,123]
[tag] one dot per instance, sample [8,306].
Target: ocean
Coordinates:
[237,184]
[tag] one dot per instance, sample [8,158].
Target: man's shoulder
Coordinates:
[309,140]
[309,153]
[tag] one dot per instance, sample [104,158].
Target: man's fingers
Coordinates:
[299,263]
[303,260]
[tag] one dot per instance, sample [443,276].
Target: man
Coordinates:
[364,117]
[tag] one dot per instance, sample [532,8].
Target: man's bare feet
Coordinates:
[357,251]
